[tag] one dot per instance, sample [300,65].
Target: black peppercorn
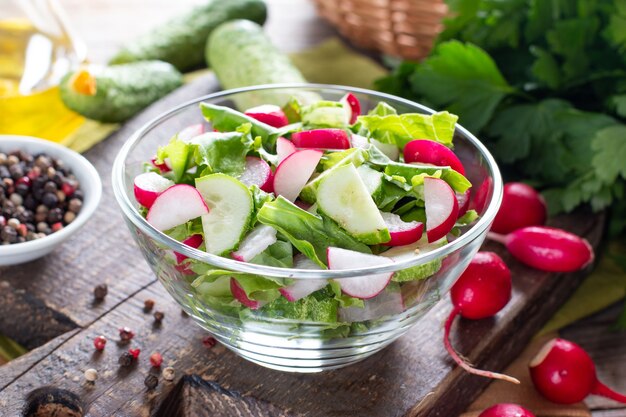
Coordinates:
[151,381]
[55,215]
[126,359]
[100,292]
[159,316]
[50,199]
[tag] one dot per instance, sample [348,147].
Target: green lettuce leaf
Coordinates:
[311,234]
[215,152]
[225,119]
[401,129]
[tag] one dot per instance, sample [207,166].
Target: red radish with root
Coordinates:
[480,292]
[506,410]
[442,209]
[257,172]
[522,206]
[430,152]
[148,186]
[293,173]
[547,248]
[269,114]
[350,101]
[176,205]
[402,233]
[365,286]
[284,148]
[241,296]
[321,139]
[564,373]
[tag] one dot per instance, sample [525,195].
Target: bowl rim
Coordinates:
[91,199]
[131,213]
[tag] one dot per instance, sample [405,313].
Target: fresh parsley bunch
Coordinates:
[543,83]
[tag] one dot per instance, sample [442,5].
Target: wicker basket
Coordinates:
[402,28]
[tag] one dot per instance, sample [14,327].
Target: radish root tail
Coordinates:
[604,391]
[462,363]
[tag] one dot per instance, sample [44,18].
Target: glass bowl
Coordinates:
[286,344]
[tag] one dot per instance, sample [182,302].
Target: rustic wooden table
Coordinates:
[48,306]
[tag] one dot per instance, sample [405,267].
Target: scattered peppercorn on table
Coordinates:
[102,328]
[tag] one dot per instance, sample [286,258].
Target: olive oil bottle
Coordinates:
[36,50]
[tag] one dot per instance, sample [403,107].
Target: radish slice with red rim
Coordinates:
[284,148]
[441,208]
[148,186]
[257,172]
[176,205]
[431,152]
[259,239]
[241,296]
[269,114]
[366,286]
[300,288]
[350,101]
[294,172]
[402,233]
[321,139]
[190,132]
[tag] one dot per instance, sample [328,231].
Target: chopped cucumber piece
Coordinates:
[343,197]
[230,211]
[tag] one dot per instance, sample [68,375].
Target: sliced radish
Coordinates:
[303,205]
[321,139]
[148,186]
[257,172]
[303,287]
[431,152]
[294,172]
[176,205]
[344,198]
[464,202]
[190,132]
[441,208]
[193,241]
[163,167]
[256,242]
[231,210]
[351,102]
[365,286]
[241,296]
[387,303]
[402,233]
[269,114]
[284,148]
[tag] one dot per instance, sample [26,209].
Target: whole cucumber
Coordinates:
[241,55]
[181,40]
[116,93]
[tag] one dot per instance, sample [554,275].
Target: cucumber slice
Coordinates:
[230,211]
[355,158]
[372,179]
[326,114]
[343,197]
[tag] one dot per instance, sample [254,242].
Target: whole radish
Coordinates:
[521,206]
[506,410]
[480,292]
[564,373]
[547,248]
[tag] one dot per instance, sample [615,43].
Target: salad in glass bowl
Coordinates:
[311,230]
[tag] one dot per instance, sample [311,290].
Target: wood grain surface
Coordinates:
[412,377]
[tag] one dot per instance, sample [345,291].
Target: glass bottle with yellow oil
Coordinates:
[37,48]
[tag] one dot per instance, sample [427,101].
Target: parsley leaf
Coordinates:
[609,160]
[463,78]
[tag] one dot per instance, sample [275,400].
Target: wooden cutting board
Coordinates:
[48,306]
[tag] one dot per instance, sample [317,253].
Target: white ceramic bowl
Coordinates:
[90,184]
